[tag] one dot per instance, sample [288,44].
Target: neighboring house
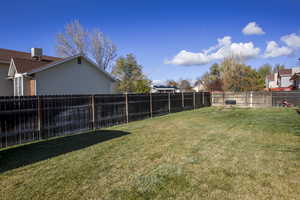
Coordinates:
[296,78]
[26,74]
[296,81]
[198,87]
[280,80]
[164,89]
[271,81]
[284,76]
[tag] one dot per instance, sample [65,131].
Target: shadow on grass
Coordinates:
[28,154]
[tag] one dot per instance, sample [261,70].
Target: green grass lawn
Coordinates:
[209,153]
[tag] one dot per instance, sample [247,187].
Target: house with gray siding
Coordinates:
[296,81]
[284,76]
[26,74]
[284,80]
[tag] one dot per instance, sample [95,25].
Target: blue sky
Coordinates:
[157,31]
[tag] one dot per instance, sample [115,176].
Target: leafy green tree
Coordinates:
[130,75]
[238,77]
[232,73]
[264,70]
[212,79]
[252,80]
[215,71]
[142,86]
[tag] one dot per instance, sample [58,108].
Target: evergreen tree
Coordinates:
[130,75]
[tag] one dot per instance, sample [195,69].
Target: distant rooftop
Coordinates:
[164,87]
[285,72]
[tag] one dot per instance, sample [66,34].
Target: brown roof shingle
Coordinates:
[26,65]
[23,61]
[6,55]
[285,72]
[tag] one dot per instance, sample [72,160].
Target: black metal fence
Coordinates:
[25,119]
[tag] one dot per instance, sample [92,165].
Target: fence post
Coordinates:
[223,98]
[251,99]
[194,100]
[203,99]
[126,107]
[40,115]
[182,99]
[169,102]
[150,104]
[20,131]
[211,98]
[271,99]
[93,112]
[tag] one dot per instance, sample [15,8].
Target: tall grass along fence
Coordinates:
[25,119]
[256,99]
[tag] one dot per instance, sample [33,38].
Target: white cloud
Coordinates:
[273,50]
[223,49]
[291,40]
[253,29]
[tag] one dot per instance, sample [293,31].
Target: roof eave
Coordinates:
[4,62]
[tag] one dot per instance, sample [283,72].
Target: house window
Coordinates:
[79,60]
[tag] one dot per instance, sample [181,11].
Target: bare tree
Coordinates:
[171,83]
[72,41]
[185,85]
[102,49]
[76,39]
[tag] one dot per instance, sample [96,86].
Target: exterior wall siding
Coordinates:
[72,78]
[285,81]
[6,86]
[29,87]
[297,83]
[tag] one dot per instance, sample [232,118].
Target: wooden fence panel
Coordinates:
[188,101]
[242,99]
[160,104]
[207,99]
[18,120]
[176,102]
[138,106]
[63,115]
[109,110]
[199,99]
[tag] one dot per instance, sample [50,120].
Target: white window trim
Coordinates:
[18,85]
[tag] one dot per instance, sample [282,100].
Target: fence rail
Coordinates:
[26,119]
